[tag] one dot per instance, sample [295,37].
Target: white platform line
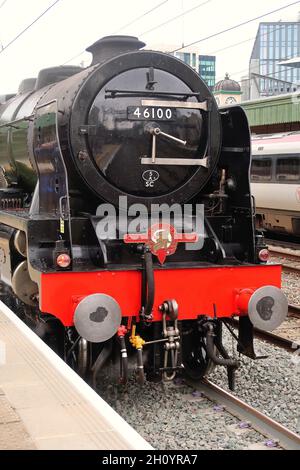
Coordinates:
[134,439]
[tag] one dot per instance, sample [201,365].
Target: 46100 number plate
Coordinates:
[141,113]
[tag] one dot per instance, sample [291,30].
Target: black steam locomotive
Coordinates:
[91,161]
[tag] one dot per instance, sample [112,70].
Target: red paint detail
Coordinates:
[242,300]
[195,290]
[161,239]
[122,330]
[129,323]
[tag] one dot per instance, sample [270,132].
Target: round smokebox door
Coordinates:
[134,140]
[97,317]
[267,308]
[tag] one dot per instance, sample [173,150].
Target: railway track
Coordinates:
[289,251]
[272,338]
[290,345]
[287,268]
[294,311]
[246,413]
[279,246]
[278,340]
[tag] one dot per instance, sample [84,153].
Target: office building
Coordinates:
[204,65]
[274,43]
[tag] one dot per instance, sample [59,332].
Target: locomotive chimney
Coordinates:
[110,46]
[26,85]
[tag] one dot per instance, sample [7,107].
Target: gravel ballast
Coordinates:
[290,281]
[291,287]
[170,416]
[271,385]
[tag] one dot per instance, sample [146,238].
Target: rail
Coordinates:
[263,424]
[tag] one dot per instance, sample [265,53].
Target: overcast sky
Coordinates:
[72,25]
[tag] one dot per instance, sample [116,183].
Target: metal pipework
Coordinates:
[148,288]
[140,366]
[124,358]
[210,343]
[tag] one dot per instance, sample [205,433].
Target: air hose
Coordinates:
[210,346]
[148,306]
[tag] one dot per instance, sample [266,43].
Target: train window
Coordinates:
[288,169]
[261,169]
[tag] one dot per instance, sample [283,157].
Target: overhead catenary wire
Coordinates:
[2,4]
[231,28]
[29,26]
[152,29]
[272,31]
[122,28]
[202,39]
[74,57]
[175,18]
[244,41]
[268,75]
[141,16]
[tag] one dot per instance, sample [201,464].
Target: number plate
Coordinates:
[151,113]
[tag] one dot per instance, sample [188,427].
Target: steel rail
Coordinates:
[285,343]
[277,340]
[287,268]
[278,245]
[294,311]
[263,424]
[285,254]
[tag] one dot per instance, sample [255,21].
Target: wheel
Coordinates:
[194,356]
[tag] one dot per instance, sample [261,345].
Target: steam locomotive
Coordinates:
[137,132]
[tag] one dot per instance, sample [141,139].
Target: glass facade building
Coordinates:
[275,42]
[207,69]
[205,65]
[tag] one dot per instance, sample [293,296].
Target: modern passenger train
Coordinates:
[275,182]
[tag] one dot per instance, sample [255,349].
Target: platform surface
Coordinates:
[44,404]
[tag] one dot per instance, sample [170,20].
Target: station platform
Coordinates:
[44,404]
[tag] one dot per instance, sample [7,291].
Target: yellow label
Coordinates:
[62,226]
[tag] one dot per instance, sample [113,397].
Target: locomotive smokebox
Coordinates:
[111,46]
